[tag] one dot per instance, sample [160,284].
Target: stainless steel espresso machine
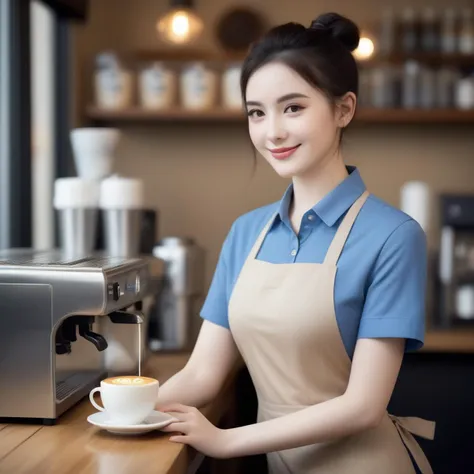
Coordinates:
[51,310]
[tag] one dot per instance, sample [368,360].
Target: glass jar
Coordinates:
[466,32]
[464,97]
[411,85]
[465,302]
[446,81]
[383,87]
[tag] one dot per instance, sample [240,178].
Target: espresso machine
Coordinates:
[51,315]
[455,282]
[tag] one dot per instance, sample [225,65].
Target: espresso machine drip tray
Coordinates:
[71,384]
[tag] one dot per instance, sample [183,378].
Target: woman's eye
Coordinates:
[255,113]
[293,108]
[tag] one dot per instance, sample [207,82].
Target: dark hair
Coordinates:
[320,54]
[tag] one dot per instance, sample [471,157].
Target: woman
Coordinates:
[321,293]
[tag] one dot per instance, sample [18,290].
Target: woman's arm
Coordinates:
[198,383]
[375,367]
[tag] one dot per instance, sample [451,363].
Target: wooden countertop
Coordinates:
[74,446]
[459,340]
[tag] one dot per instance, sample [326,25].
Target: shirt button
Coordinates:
[293,252]
[311,217]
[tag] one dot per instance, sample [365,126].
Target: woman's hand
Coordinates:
[196,431]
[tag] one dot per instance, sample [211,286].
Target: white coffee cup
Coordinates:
[94,151]
[128,400]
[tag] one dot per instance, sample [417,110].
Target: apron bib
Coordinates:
[283,321]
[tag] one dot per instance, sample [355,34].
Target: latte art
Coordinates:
[131,381]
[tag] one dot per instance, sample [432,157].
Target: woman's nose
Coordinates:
[276,131]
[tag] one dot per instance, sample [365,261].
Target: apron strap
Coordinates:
[409,426]
[339,240]
[258,243]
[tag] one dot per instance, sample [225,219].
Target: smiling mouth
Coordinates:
[283,150]
[283,153]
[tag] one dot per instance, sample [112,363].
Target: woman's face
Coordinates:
[291,123]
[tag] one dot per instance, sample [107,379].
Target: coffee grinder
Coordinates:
[455,279]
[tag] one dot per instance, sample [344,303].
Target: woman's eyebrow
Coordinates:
[283,98]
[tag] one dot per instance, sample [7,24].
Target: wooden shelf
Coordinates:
[137,114]
[365,116]
[433,59]
[181,55]
[420,116]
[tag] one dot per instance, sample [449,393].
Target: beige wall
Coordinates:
[200,176]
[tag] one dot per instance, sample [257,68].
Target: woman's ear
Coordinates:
[345,109]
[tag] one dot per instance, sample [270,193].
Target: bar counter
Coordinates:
[75,446]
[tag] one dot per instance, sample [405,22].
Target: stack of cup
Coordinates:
[121,204]
[77,202]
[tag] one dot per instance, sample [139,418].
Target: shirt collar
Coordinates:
[335,203]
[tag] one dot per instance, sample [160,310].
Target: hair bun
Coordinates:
[339,27]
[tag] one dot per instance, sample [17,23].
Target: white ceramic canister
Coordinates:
[113,83]
[198,87]
[231,96]
[157,86]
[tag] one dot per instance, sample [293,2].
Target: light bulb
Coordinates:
[180,26]
[365,49]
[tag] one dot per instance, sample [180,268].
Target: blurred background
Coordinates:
[164,75]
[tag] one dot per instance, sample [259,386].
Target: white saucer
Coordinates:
[155,421]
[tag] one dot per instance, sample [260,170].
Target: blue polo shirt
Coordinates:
[381,277]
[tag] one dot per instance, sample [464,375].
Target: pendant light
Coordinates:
[365,49]
[180,25]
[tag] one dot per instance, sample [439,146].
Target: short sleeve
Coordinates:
[215,308]
[395,300]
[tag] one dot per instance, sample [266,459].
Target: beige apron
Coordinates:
[283,320]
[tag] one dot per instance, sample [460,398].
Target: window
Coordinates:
[35,98]
[4,173]
[42,123]
[15,159]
